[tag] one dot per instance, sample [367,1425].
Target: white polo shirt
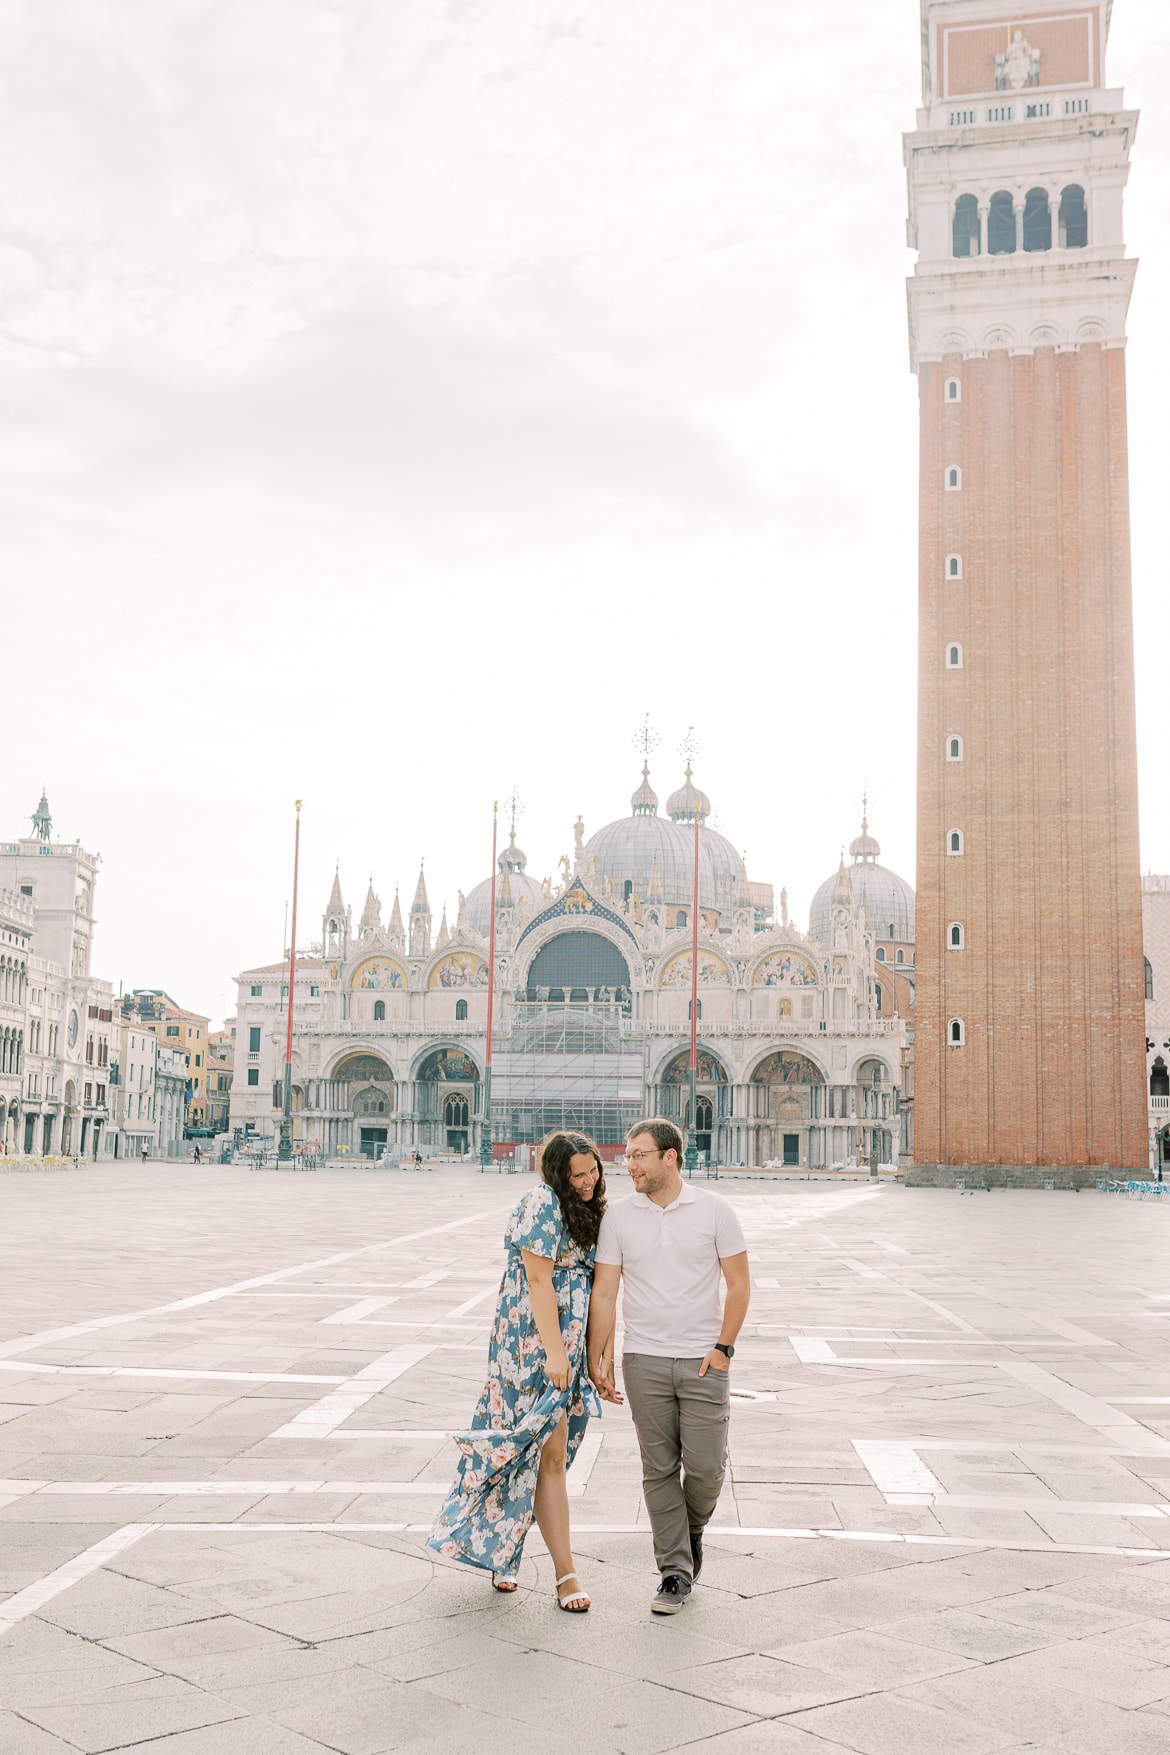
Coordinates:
[669,1257]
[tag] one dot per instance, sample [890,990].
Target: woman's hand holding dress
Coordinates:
[543,1298]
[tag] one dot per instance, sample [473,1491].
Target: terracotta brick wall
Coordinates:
[1069,51]
[1048,890]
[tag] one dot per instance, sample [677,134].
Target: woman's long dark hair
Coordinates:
[583,1217]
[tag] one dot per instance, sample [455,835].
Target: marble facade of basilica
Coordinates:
[803,1037]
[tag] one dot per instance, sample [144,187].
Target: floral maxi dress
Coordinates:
[489,1510]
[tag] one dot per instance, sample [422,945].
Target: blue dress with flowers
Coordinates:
[488,1512]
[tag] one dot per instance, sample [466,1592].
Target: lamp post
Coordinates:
[285,1151]
[691,1155]
[485,1140]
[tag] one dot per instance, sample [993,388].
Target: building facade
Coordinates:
[16,934]
[68,1031]
[1156,937]
[1029,1013]
[133,1087]
[183,1031]
[800,1038]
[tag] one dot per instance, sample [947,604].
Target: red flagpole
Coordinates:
[285,1151]
[691,1119]
[485,1145]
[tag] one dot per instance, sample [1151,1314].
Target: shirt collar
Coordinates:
[683,1198]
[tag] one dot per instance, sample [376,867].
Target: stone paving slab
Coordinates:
[943,1529]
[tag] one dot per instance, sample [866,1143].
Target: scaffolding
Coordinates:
[566,1066]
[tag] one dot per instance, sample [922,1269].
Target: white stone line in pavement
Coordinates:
[47,1337]
[1034,1504]
[217,1489]
[170,1371]
[1019,1447]
[1069,1330]
[324,1416]
[812,1352]
[888,1339]
[1087,1408]
[1125,1401]
[356,1312]
[35,1596]
[431,1279]
[470,1303]
[895,1468]
[578,1476]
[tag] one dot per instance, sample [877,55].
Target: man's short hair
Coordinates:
[666,1136]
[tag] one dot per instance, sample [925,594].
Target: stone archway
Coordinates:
[786,1101]
[713,1094]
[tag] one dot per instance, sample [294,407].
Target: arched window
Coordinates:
[953,391]
[1001,225]
[460,1010]
[627,889]
[877,995]
[954,841]
[954,657]
[1037,220]
[901,956]
[1149,978]
[680,918]
[965,227]
[379,1011]
[954,936]
[953,478]
[881,953]
[1073,218]
[698,1014]
[1160,1079]
[954,749]
[954,566]
[956,1033]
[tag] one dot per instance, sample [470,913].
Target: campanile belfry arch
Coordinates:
[1029,1032]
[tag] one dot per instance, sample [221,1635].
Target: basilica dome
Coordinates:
[655,855]
[477,907]
[888,898]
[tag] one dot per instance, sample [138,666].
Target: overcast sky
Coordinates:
[401,398]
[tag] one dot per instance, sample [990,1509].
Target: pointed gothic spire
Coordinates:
[420,905]
[335,905]
[420,919]
[444,937]
[371,920]
[843,888]
[397,930]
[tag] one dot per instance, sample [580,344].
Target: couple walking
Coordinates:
[566,1255]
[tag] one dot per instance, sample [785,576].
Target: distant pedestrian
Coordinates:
[198,1155]
[145,1153]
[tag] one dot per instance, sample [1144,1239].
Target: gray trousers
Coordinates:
[681,1420]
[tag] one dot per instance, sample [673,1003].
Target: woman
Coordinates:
[536,1403]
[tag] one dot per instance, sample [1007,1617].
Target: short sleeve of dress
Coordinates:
[536,1225]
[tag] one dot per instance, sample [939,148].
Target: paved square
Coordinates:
[225,1400]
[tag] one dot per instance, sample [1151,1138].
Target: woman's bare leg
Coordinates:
[552,1505]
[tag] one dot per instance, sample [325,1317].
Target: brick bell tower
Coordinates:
[1029,1032]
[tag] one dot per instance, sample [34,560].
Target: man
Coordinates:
[671,1242]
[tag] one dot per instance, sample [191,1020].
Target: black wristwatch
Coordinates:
[728,1352]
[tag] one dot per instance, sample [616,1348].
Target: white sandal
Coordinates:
[577,1596]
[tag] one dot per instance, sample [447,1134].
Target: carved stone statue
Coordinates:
[1018,66]
[566,868]
[579,839]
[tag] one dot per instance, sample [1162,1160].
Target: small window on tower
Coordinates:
[953,478]
[1001,225]
[954,567]
[881,953]
[1037,220]
[965,227]
[956,1033]
[954,841]
[955,936]
[1073,218]
[901,956]
[379,1011]
[954,749]
[954,658]
[953,391]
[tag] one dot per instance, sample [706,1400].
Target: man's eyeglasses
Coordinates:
[636,1157]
